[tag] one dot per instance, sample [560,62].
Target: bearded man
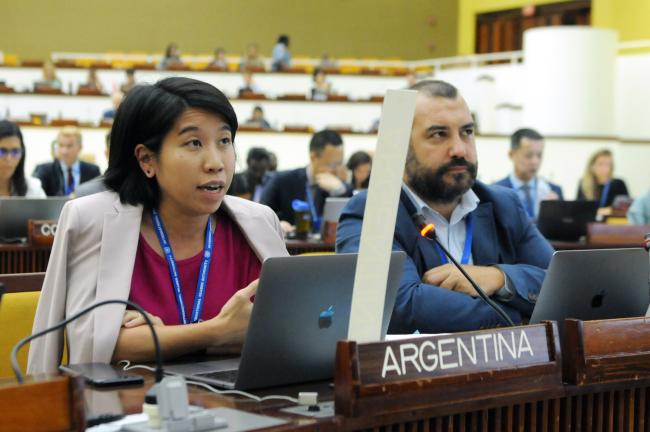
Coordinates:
[485,228]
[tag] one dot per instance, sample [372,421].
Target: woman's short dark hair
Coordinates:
[17,183]
[145,116]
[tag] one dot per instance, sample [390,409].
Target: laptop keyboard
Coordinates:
[224,375]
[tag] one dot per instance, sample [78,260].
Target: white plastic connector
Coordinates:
[308,398]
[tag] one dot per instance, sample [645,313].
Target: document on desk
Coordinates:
[369,292]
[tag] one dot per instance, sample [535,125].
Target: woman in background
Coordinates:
[359,165]
[12,165]
[172,159]
[49,77]
[598,182]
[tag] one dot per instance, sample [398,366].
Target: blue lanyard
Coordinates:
[604,193]
[467,249]
[199,297]
[315,220]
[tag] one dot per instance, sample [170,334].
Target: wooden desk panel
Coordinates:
[608,408]
[23,258]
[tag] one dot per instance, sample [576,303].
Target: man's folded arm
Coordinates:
[423,307]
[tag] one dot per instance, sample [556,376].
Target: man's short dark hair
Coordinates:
[146,116]
[515,139]
[436,88]
[283,39]
[257,154]
[323,138]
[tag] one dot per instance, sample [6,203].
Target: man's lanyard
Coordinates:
[199,297]
[467,249]
[604,193]
[315,220]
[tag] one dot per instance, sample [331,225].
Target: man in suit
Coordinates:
[249,184]
[526,151]
[485,228]
[322,178]
[62,176]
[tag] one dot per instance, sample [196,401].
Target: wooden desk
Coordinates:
[582,245]
[19,258]
[605,407]
[297,247]
[33,259]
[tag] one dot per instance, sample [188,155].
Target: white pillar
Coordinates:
[569,81]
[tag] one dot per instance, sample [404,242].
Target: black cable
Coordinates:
[14,352]
[432,236]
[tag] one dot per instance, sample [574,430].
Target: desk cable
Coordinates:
[126,365]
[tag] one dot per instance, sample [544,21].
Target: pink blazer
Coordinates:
[92,260]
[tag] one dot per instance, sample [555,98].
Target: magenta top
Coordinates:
[234,265]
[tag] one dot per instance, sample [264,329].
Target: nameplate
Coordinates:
[604,351]
[410,374]
[452,354]
[41,232]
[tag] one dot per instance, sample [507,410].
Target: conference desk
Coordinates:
[609,390]
[357,115]
[25,258]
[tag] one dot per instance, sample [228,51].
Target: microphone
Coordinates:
[14,352]
[429,231]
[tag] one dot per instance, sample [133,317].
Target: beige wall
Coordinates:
[343,28]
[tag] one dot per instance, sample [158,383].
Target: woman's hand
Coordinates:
[133,318]
[232,322]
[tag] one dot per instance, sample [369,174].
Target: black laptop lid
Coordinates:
[566,220]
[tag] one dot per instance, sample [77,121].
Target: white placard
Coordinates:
[379,218]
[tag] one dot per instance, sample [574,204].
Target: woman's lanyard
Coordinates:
[315,220]
[199,297]
[467,249]
[604,193]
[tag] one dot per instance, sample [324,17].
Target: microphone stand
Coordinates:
[429,232]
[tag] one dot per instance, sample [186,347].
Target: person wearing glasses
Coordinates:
[12,165]
[322,178]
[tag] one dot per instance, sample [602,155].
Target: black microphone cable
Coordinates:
[429,231]
[14,352]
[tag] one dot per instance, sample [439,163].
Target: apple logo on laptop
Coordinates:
[597,300]
[325,317]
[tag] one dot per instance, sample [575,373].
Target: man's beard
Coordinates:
[430,185]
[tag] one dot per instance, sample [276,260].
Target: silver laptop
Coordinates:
[333,208]
[15,211]
[594,284]
[302,308]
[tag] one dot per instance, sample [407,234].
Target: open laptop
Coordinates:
[15,211]
[333,208]
[565,220]
[301,309]
[594,284]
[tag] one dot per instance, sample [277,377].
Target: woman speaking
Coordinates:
[164,235]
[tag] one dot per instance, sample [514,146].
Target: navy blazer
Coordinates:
[505,182]
[503,236]
[286,186]
[51,176]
